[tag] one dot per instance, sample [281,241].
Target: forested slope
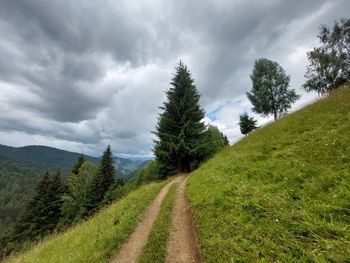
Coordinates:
[21,168]
[17,180]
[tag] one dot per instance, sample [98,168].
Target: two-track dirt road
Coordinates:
[182,244]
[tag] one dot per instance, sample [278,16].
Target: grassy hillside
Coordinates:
[97,239]
[282,194]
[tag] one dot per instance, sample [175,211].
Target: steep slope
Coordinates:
[282,194]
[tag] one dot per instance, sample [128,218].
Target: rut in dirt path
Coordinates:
[132,249]
[183,241]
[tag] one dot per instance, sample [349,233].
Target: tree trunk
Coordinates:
[183,165]
[187,165]
[275,115]
[179,166]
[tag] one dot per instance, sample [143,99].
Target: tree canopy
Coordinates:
[330,63]
[270,93]
[215,140]
[76,201]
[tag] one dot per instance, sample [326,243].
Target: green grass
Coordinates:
[282,194]
[155,250]
[97,239]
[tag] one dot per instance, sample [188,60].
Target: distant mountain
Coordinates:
[53,158]
[44,156]
[125,166]
[144,163]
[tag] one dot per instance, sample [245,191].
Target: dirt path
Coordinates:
[132,249]
[183,242]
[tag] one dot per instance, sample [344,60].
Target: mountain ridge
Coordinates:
[55,158]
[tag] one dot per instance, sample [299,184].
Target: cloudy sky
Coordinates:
[81,74]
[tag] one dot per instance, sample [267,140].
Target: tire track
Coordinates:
[132,249]
[183,241]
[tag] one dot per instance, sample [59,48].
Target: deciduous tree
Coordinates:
[270,93]
[330,63]
[77,200]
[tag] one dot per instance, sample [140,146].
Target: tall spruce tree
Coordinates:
[78,164]
[103,179]
[226,141]
[107,169]
[57,191]
[42,212]
[180,128]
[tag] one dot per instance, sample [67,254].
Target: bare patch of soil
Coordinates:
[183,242]
[132,249]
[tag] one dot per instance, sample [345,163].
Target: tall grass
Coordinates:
[283,193]
[97,239]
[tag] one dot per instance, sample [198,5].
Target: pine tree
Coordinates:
[42,212]
[57,191]
[107,169]
[180,127]
[78,164]
[270,93]
[103,180]
[226,141]
[95,192]
[246,123]
[34,217]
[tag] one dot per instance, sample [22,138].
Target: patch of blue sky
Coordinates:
[213,114]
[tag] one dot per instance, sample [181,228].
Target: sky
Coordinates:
[79,75]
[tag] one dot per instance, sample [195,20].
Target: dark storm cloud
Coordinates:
[94,72]
[59,45]
[237,32]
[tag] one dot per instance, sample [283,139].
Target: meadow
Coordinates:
[282,194]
